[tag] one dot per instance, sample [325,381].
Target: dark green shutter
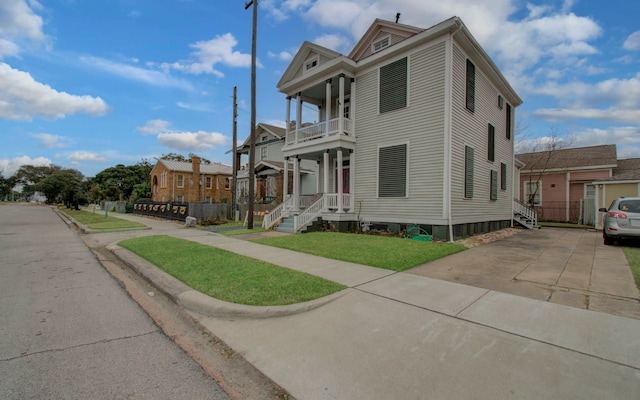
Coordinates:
[508,122]
[494,185]
[393,86]
[491,141]
[471,86]
[392,171]
[468,172]
[503,176]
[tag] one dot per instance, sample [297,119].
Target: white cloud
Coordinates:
[283,55]
[86,156]
[10,166]
[134,14]
[334,42]
[154,127]
[609,114]
[17,19]
[192,141]
[632,42]
[196,107]
[50,141]
[8,49]
[148,76]
[208,54]
[22,98]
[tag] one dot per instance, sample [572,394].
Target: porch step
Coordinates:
[287,226]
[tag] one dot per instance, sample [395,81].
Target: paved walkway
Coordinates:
[401,335]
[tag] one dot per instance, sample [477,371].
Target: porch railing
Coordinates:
[311,212]
[275,215]
[332,200]
[319,130]
[523,209]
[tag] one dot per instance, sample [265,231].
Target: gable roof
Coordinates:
[580,157]
[211,169]
[627,170]
[276,131]
[380,25]
[305,49]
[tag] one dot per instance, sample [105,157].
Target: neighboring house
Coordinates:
[559,183]
[269,168]
[414,126]
[190,182]
[625,181]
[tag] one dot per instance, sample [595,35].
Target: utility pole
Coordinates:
[252,139]
[234,162]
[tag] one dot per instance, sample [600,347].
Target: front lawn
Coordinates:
[633,256]
[228,276]
[98,220]
[392,253]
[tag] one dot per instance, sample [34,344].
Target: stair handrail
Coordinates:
[275,215]
[301,220]
[526,210]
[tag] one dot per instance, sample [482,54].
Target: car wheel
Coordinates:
[608,240]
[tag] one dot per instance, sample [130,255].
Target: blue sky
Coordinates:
[89,84]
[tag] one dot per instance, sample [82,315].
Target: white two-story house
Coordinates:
[413,127]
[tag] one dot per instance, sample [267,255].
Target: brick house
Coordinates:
[190,182]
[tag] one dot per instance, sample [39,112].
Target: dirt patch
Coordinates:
[488,237]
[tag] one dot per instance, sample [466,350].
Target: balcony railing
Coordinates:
[320,130]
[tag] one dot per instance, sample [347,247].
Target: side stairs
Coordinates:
[287,225]
[525,221]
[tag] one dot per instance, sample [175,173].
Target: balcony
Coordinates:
[336,129]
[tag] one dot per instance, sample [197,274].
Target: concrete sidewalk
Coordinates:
[399,335]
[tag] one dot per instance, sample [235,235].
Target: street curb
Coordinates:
[198,302]
[84,229]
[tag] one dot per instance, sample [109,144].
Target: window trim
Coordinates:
[180,180]
[264,150]
[527,190]
[493,185]
[406,169]
[406,86]
[208,182]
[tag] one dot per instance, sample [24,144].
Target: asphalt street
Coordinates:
[69,331]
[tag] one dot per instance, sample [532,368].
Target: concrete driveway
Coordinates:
[564,266]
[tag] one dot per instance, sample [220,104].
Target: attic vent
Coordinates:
[381,44]
[311,64]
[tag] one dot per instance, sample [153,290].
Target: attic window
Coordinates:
[381,44]
[311,64]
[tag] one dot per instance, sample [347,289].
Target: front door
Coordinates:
[345,180]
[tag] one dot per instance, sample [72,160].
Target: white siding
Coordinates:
[470,128]
[420,125]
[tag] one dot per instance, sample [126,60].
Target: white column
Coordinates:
[288,120]
[298,114]
[341,107]
[352,110]
[352,163]
[296,184]
[285,180]
[327,110]
[325,160]
[339,160]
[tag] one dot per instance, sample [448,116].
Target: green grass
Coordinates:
[377,251]
[98,221]
[633,256]
[228,276]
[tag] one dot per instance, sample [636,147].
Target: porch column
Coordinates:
[287,127]
[327,111]
[298,114]
[325,164]
[339,161]
[352,110]
[285,180]
[341,107]
[352,163]
[296,184]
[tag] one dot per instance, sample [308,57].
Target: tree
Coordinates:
[180,157]
[120,182]
[29,176]
[6,185]
[62,185]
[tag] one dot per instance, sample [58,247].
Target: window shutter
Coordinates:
[468,172]
[393,86]
[491,140]
[471,86]
[494,185]
[392,171]
[503,176]
[508,122]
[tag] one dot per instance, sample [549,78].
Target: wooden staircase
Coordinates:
[524,215]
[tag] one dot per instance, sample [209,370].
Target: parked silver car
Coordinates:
[622,219]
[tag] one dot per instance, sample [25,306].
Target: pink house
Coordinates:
[559,183]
